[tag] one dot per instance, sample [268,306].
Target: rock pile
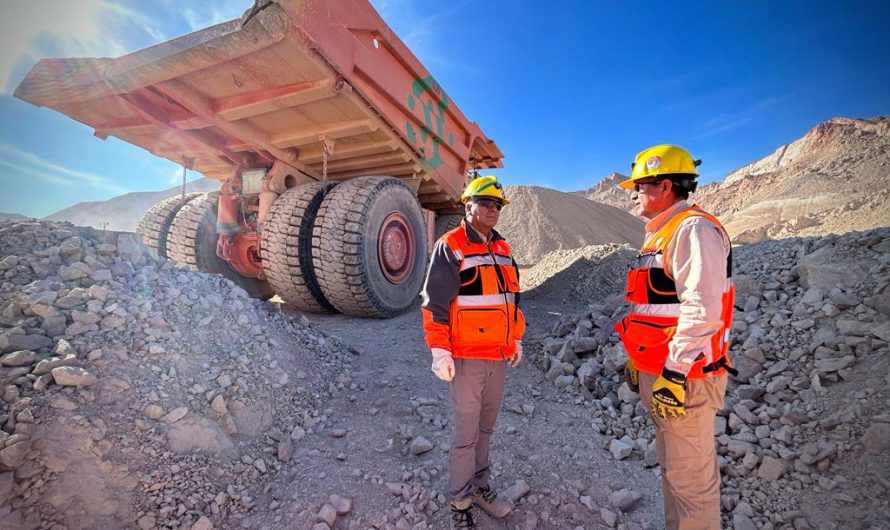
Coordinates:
[588,273]
[540,220]
[138,394]
[803,439]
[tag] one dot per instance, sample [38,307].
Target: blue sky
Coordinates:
[570,94]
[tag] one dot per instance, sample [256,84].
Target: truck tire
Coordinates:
[369,247]
[154,227]
[192,242]
[287,247]
[446,223]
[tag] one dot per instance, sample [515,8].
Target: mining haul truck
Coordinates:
[339,157]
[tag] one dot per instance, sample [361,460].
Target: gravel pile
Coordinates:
[589,273]
[804,438]
[137,394]
[540,220]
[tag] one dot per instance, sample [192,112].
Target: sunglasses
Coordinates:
[488,203]
[639,186]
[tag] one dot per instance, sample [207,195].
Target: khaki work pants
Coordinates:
[476,392]
[688,456]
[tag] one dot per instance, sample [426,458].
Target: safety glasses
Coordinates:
[488,203]
[639,186]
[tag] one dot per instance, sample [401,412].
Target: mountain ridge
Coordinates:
[833,179]
[4,216]
[122,213]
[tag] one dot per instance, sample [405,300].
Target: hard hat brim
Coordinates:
[504,201]
[627,184]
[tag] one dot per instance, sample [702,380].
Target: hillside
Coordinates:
[607,191]
[834,179]
[540,220]
[12,216]
[121,213]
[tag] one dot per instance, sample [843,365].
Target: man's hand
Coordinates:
[632,376]
[669,395]
[443,364]
[514,360]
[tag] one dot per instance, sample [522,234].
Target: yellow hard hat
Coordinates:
[487,186]
[659,161]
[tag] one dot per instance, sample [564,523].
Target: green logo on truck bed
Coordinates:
[422,91]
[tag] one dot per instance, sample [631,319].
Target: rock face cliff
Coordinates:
[607,191]
[834,179]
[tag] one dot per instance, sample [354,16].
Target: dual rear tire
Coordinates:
[184,230]
[287,247]
[154,227]
[369,247]
[446,223]
[358,248]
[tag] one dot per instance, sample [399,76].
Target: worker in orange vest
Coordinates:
[676,333]
[473,326]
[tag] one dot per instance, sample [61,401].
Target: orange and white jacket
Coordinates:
[680,295]
[471,296]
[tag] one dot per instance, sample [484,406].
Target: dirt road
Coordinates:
[361,448]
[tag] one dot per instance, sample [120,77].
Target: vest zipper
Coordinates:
[501,281]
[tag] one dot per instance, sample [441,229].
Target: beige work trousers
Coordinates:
[688,456]
[476,392]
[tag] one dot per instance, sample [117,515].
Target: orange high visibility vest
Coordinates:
[484,319]
[655,307]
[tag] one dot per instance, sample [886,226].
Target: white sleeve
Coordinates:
[697,261]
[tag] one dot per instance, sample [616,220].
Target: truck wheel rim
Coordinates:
[245,256]
[395,248]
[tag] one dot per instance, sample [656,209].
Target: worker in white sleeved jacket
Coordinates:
[676,333]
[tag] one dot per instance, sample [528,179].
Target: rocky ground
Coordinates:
[804,437]
[136,394]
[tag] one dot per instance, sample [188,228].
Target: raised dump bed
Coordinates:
[282,106]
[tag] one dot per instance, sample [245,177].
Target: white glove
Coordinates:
[443,364]
[514,361]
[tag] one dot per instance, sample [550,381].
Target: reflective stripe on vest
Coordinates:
[654,307]
[485,299]
[487,259]
[484,318]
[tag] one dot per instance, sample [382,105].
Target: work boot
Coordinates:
[462,515]
[488,500]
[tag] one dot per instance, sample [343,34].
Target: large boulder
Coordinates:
[614,359]
[823,270]
[195,433]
